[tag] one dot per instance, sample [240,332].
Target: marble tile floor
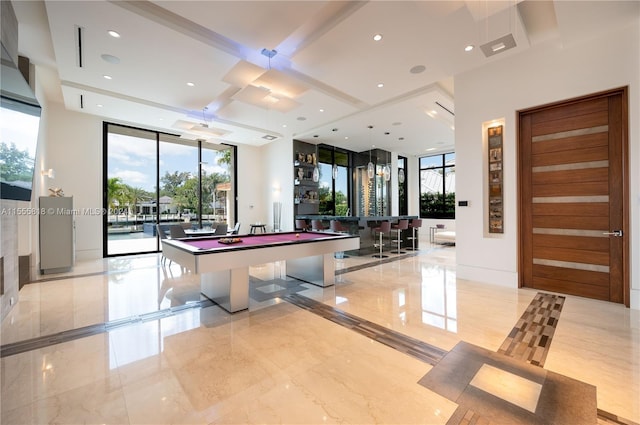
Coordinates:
[278,363]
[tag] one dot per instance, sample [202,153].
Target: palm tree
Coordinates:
[115,194]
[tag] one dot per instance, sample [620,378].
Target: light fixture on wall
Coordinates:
[51,173]
[371,169]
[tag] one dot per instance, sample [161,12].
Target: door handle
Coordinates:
[617,233]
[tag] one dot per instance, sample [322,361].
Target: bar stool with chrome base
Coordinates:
[384,227]
[415,223]
[399,227]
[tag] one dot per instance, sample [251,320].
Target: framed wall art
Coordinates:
[495,183]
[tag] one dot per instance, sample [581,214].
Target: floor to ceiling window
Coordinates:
[152,177]
[438,186]
[334,181]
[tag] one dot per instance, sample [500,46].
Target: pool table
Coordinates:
[224,268]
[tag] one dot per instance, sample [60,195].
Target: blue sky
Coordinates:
[133,160]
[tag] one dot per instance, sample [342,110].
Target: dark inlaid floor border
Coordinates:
[86,331]
[530,338]
[605,418]
[403,343]
[377,262]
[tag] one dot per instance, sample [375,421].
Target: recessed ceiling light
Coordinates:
[301,118]
[468,48]
[430,149]
[190,84]
[114,34]
[397,123]
[377,37]
[400,138]
[99,105]
[284,126]
[380,85]
[107,77]
[110,58]
[418,69]
[321,110]
[498,47]
[346,137]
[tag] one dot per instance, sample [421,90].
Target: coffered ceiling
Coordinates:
[310,70]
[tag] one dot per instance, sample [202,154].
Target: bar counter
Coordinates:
[362,226]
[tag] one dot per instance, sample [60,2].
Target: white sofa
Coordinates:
[444,236]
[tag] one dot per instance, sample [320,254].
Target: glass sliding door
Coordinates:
[131,170]
[153,177]
[178,168]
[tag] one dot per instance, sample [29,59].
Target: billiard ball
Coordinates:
[297,235]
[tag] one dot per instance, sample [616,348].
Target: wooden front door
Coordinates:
[573,205]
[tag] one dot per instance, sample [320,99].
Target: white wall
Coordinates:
[541,75]
[278,181]
[251,199]
[74,151]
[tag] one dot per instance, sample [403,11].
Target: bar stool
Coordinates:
[384,227]
[415,223]
[317,226]
[399,227]
[302,225]
[337,227]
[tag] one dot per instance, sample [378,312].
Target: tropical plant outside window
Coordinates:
[438,186]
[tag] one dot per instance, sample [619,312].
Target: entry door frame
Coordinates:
[525,216]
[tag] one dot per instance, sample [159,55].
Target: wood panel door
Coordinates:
[573,206]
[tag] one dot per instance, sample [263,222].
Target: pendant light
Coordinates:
[386,171]
[316,170]
[371,170]
[334,169]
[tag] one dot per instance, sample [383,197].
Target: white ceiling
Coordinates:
[325,50]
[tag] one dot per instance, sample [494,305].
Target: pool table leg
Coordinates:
[227,288]
[318,269]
